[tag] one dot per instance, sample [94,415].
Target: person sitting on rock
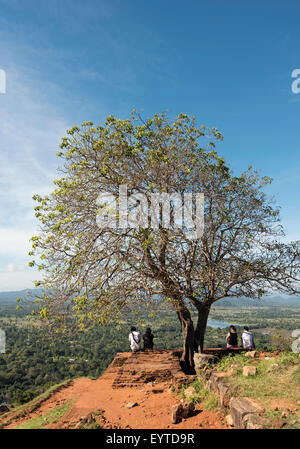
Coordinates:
[232,338]
[148,339]
[135,339]
[247,339]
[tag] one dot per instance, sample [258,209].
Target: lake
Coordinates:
[217,323]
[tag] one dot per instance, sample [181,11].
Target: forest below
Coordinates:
[36,358]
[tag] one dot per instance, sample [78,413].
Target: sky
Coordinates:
[229,63]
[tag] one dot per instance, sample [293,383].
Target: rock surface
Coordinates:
[181,411]
[224,394]
[190,391]
[249,370]
[203,361]
[188,409]
[229,420]
[273,367]
[131,404]
[239,408]
[253,421]
[3,408]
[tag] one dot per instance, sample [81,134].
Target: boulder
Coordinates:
[131,404]
[239,408]
[180,411]
[253,421]
[234,366]
[206,372]
[249,370]
[188,409]
[216,378]
[203,361]
[230,372]
[190,391]
[229,420]
[3,409]
[273,367]
[86,419]
[259,408]
[224,394]
[213,382]
[251,354]
[278,423]
[177,412]
[217,384]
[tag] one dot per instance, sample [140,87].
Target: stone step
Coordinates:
[135,369]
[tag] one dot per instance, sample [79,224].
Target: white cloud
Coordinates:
[29,134]
[14,243]
[30,131]
[13,268]
[13,281]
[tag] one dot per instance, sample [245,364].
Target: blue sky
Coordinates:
[229,63]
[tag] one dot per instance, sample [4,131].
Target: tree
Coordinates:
[96,271]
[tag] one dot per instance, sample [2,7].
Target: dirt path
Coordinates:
[153,411]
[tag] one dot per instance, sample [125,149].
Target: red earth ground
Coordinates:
[144,378]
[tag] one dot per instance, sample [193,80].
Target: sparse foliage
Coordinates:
[96,273]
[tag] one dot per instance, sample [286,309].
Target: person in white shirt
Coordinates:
[135,339]
[247,339]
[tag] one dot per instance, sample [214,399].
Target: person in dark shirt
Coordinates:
[232,338]
[148,339]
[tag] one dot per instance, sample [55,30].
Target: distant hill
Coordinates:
[11,297]
[279,301]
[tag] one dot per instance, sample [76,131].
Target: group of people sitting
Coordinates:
[135,339]
[231,339]
[246,338]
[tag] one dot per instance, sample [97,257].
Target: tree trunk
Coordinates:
[187,326]
[203,312]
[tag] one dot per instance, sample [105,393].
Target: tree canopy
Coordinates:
[93,272]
